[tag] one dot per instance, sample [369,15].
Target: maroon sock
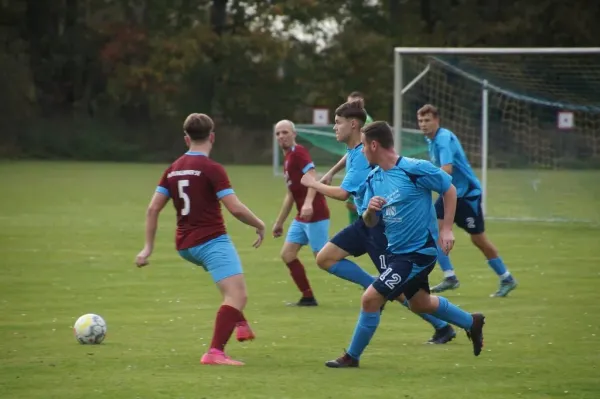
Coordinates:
[227,318]
[299,276]
[242,319]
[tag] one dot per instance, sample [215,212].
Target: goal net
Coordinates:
[326,151]
[528,119]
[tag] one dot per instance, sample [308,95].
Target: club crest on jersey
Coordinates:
[390,215]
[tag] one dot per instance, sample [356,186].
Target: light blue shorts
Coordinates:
[217,256]
[315,234]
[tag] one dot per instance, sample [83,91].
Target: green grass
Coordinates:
[69,233]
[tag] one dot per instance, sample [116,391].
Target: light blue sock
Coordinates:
[453,314]
[444,261]
[435,322]
[363,332]
[498,266]
[350,271]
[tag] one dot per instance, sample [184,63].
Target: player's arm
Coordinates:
[241,212]
[353,180]
[286,208]
[439,181]
[222,187]
[337,168]
[308,167]
[157,204]
[449,206]
[311,192]
[446,154]
[334,192]
[371,215]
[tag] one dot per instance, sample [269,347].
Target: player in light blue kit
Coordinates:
[399,191]
[445,151]
[358,239]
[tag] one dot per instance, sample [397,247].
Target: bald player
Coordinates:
[311,224]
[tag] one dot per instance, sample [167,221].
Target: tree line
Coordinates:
[113,79]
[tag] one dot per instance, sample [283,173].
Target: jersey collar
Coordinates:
[196,153]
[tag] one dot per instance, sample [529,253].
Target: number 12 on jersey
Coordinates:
[393,280]
[181,184]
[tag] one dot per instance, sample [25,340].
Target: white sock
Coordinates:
[505,275]
[449,273]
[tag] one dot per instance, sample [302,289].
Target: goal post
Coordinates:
[506,105]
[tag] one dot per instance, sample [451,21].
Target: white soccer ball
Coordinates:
[90,329]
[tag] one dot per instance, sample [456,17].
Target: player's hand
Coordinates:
[260,232]
[308,180]
[376,204]
[326,179]
[446,240]
[277,230]
[306,212]
[141,259]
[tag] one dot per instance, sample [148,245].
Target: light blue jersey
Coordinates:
[357,170]
[408,215]
[444,149]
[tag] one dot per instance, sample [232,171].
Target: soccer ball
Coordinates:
[90,329]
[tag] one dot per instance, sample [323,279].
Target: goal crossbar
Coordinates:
[497,50]
[400,88]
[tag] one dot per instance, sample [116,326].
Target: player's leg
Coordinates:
[221,260]
[421,301]
[296,238]
[332,258]
[377,252]
[392,283]
[470,218]
[450,281]
[368,321]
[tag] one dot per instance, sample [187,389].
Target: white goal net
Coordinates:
[529,120]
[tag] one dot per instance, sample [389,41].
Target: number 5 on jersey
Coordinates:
[181,184]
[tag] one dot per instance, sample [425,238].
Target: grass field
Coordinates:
[69,233]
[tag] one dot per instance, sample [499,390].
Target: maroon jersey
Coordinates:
[196,183]
[297,162]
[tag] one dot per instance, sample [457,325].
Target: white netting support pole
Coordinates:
[484,144]
[275,154]
[398,101]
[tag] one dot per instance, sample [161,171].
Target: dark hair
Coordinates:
[428,109]
[357,96]
[380,132]
[198,126]
[352,110]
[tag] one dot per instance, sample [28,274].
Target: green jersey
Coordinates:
[369,119]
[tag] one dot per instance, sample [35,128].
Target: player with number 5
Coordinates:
[197,185]
[399,191]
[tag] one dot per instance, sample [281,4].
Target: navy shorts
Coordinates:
[469,215]
[405,274]
[357,239]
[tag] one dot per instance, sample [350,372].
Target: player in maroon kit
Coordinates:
[311,224]
[197,184]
